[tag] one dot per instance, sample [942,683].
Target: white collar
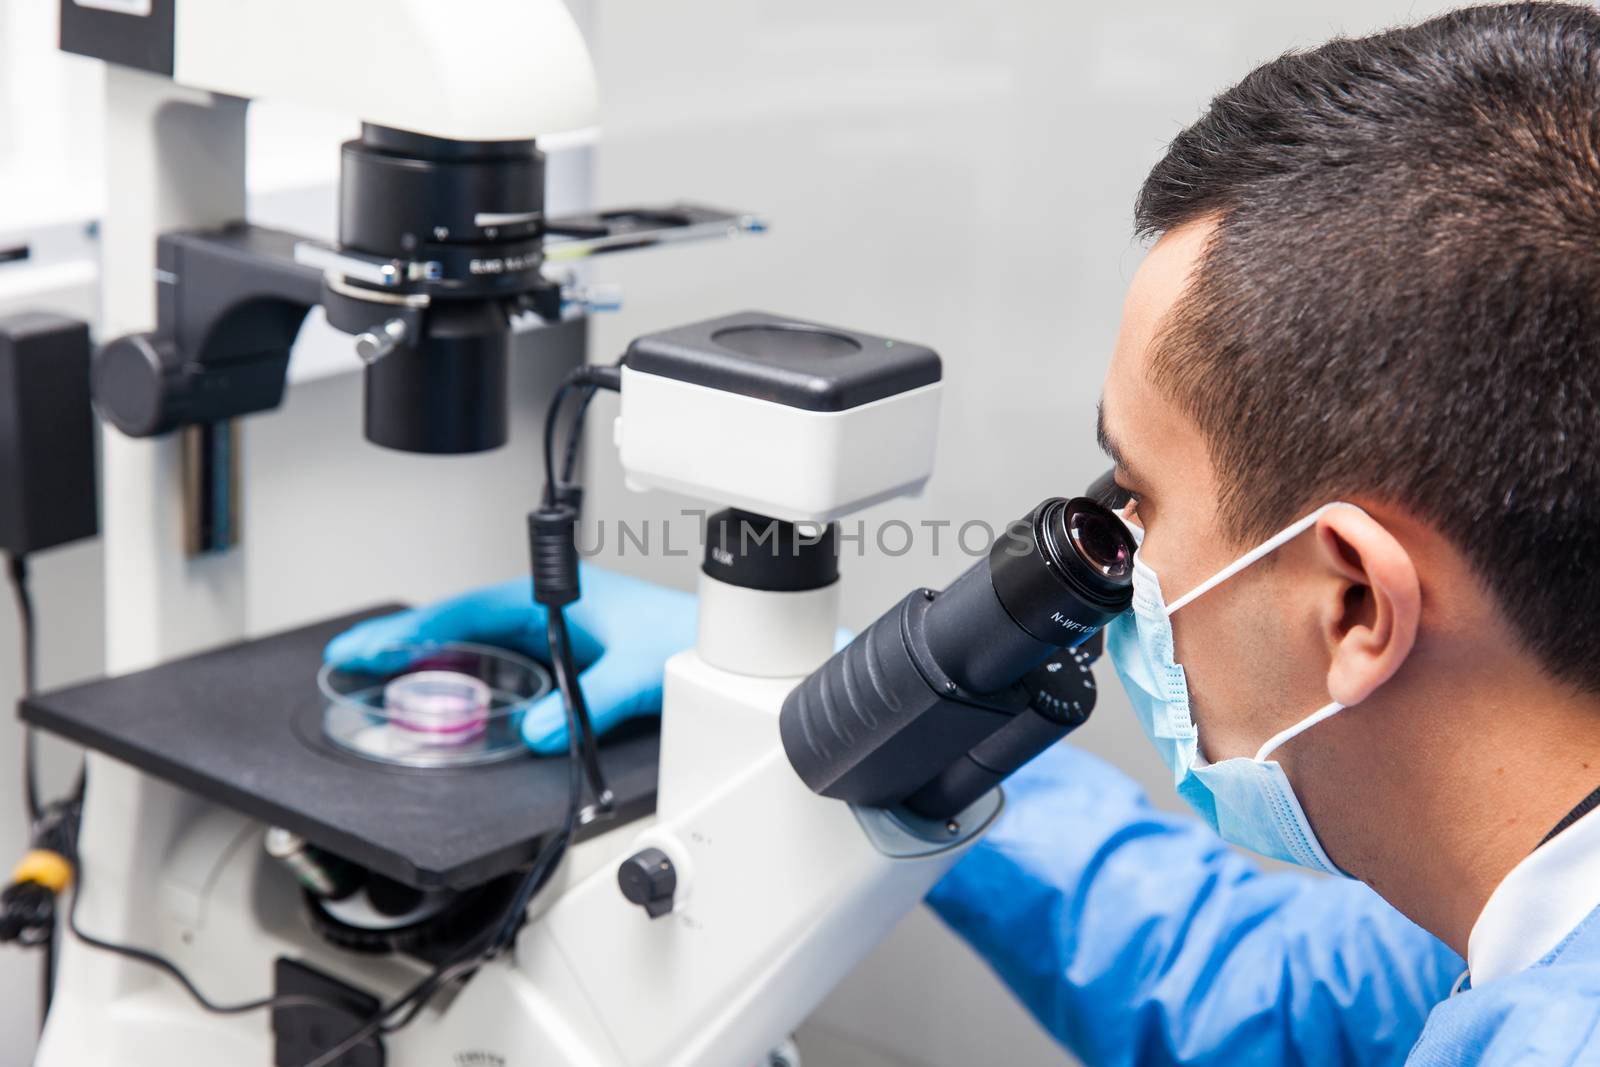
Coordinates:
[1536,905]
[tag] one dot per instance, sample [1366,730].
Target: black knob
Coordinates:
[1062,687]
[648,879]
[135,380]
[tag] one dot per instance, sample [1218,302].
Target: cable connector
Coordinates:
[553,545]
[27,913]
[600,375]
[571,496]
[28,903]
[45,866]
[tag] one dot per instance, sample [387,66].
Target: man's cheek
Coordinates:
[1209,710]
[1219,662]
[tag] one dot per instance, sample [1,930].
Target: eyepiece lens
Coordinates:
[1076,575]
[1100,540]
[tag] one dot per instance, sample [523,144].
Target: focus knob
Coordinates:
[135,381]
[1062,687]
[648,879]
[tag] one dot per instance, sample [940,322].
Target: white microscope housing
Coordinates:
[781,417]
[779,892]
[469,70]
[788,422]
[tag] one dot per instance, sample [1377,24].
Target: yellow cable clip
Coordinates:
[50,869]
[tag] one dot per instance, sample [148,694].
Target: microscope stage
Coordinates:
[242,726]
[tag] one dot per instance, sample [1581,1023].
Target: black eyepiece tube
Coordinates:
[980,770]
[935,679]
[959,628]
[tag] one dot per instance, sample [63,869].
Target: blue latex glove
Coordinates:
[1138,937]
[623,632]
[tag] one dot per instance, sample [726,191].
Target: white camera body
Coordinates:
[785,418]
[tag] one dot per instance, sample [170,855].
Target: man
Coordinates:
[1355,400]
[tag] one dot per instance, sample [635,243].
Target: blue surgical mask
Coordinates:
[1248,801]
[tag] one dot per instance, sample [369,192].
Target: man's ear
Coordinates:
[1371,623]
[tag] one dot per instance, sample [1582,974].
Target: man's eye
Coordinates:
[1130,509]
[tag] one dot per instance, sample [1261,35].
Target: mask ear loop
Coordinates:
[1326,712]
[1270,545]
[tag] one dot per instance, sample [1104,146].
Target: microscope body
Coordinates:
[778,892]
[165,867]
[775,891]
[699,936]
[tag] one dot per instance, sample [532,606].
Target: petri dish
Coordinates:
[432,705]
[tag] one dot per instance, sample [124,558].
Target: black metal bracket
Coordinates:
[230,303]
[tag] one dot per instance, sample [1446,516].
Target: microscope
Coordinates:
[794,805]
[299,889]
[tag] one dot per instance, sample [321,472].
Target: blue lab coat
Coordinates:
[1139,937]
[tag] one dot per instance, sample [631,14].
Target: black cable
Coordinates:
[554,849]
[560,505]
[499,936]
[482,948]
[161,963]
[575,435]
[582,756]
[56,830]
[47,974]
[583,759]
[18,570]
[417,994]
[54,827]
[566,672]
[441,977]
[589,378]
[552,416]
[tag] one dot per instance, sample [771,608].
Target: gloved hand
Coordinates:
[623,632]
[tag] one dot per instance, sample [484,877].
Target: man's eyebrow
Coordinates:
[1109,446]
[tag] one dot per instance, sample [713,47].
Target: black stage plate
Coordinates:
[240,725]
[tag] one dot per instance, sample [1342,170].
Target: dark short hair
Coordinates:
[1401,299]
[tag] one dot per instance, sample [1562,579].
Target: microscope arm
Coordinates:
[231,301]
[229,305]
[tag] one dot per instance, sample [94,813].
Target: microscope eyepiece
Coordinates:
[1098,539]
[1064,570]
[924,707]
